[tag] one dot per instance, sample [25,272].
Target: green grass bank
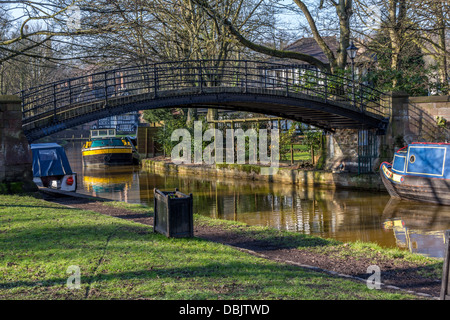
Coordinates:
[120,259]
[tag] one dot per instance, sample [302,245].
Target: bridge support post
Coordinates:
[398,126]
[414,119]
[411,119]
[342,146]
[15,155]
[342,151]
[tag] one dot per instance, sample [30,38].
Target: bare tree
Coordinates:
[175,30]
[431,23]
[423,23]
[337,60]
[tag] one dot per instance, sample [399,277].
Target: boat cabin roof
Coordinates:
[49,159]
[439,143]
[425,144]
[425,159]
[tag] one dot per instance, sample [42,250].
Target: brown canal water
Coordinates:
[345,215]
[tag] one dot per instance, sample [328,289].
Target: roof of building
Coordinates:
[309,46]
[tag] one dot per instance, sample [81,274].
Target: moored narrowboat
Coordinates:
[419,172]
[104,148]
[51,167]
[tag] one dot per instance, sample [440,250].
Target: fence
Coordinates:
[177,76]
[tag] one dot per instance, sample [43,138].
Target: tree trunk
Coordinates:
[397,14]
[344,11]
[442,50]
[212,114]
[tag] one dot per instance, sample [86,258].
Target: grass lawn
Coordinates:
[324,246]
[300,153]
[119,259]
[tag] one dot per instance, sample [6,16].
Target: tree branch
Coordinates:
[260,48]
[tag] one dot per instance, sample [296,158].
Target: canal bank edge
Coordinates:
[370,181]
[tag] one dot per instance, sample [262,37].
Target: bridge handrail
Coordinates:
[174,75]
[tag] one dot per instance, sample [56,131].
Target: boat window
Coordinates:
[98,143]
[106,142]
[412,159]
[399,163]
[48,155]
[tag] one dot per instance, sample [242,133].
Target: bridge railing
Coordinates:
[158,79]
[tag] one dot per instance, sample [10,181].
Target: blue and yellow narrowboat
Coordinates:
[419,172]
[104,148]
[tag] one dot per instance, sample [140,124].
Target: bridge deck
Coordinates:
[56,107]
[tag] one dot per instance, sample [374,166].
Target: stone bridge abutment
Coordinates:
[15,154]
[412,119]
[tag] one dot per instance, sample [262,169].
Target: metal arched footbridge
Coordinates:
[290,91]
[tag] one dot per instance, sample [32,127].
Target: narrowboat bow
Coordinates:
[419,172]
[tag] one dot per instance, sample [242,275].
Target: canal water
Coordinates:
[345,215]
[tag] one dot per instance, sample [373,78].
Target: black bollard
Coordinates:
[445,273]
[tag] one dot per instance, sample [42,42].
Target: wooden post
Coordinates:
[153,148]
[215,142]
[233,145]
[445,272]
[146,142]
[312,154]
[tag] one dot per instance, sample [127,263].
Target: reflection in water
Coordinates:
[116,183]
[417,227]
[340,214]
